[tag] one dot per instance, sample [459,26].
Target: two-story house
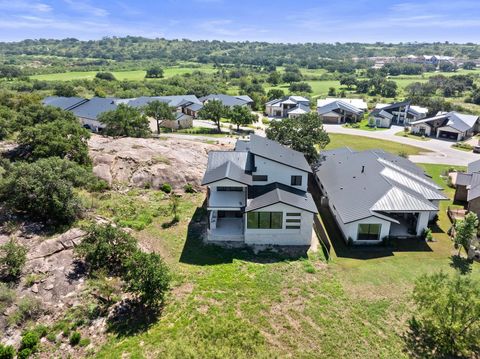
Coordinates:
[257,194]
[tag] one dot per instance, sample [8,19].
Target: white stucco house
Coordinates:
[288,106]
[448,125]
[398,113]
[257,195]
[375,195]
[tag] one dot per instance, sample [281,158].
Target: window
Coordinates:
[293,220]
[225,189]
[264,220]
[293,227]
[369,232]
[296,181]
[258,178]
[294,214]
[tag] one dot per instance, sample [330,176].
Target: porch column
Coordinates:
[422,222]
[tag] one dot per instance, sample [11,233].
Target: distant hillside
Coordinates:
[311,55]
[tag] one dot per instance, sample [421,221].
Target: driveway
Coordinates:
[441,151]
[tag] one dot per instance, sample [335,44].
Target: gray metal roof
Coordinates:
[227,170]
[274,151]
[282,195]
[94,107]
[65,103]
[361,184]
[172,101]
[227,100]
[473,167]
[339,105]
[458,121]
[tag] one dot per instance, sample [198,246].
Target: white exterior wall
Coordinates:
[382,122]
[94,124]
[422,222]
[416,129]
[278,172]
[285,237]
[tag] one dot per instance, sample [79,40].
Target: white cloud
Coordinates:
[87,8]
[15,6]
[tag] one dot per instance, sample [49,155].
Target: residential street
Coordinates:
[441,150]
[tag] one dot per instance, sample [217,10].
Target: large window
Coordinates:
[369,232]
[228,189]
[296,181]
[264,220]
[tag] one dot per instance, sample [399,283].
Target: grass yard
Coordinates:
[414,137]
[134,75]
[364,125]
[232,303]
[361,143]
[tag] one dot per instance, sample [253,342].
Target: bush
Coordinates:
[7,296]
[188,188]
[29,308]
[84,342]
[6,352]
[12,259]
[403,154]
[463,146]
[167,188]
[106,247]
[147,277]
[108,76]
[74,338]
[30,340]
[24,353]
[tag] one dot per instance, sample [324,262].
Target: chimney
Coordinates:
[363,169]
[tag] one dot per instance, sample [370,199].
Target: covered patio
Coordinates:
[226,226]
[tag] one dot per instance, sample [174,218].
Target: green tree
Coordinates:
[241,116]
[154,72]
[447,314]
[107,247]
[274,94]
[125,121]
[174,203]
[12,260]
[39,190]
[35,113]
[10,72]
[65,89]
[348,80]
[388,89]
[213,110]
[465,231]
[7,120]
[300,87]
[59,138]
[332,91]
[108,76]
[274,78]
[147,277]
[160,111]
[302,133]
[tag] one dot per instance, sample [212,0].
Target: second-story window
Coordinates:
[296,181]
[260,178]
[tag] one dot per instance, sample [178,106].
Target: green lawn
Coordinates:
[361,143]
[232,303]
[364,125]
[134,75]
[409,135]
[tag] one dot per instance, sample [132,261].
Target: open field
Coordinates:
[231,303]
[360,143]
[134,75]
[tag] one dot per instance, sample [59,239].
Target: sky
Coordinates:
[287,21]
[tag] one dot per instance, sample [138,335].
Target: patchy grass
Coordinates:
[232,303]
[361,143]
[364,125]
[412,136]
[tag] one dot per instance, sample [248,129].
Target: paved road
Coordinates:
[441,150]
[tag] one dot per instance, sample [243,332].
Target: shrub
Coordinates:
[265,121]
[24,353]
[147,277]
[427,234]
[6,352]
[403,154]
[75,338]
[29,308]
[106,247]
[7,296]
[167,188]
[188,188]
[12,259]
[30,340]
[84,342]
[108,76]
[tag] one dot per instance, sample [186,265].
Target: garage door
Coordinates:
[448,135]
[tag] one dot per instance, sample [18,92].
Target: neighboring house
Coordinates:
[341,110]
[257,194]
[184,107]
[467,187]
[229,101]
[373,194]
[288,106]
[398,113]
[450,125]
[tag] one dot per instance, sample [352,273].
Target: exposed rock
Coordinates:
[35,288]
[149,162]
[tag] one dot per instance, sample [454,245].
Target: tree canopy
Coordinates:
[160,111]
[125,121]
[154,72]
[213,110]
[303,133]
[241,116]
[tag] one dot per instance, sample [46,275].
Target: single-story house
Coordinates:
[257,194]
[337,111]
[398,113]
[229,101]
[184,107]
[288,106]
[467,187]
[375,195]
[450,125]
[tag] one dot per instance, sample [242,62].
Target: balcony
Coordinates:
[226,199]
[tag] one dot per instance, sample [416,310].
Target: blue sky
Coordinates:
[274,21]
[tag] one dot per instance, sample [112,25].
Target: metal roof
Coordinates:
[282,194]
[221,165]
[473,167]
[360,184]
[339,105]
[94,107]
[458,121]
[356,102]
[274,151]
[65,103]
[227,100]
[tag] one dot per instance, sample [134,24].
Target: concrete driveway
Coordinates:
[440,150]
